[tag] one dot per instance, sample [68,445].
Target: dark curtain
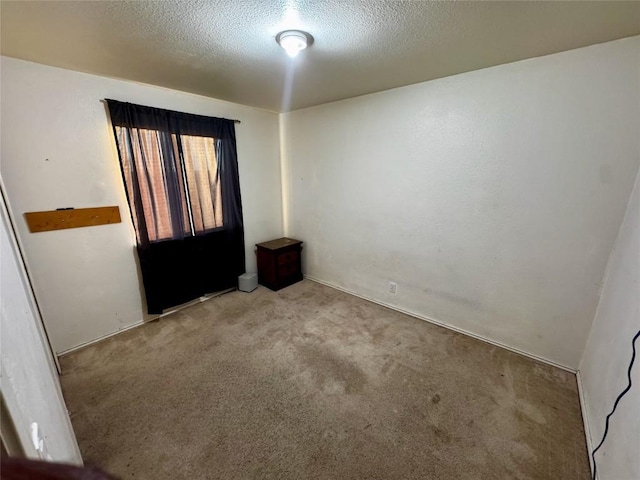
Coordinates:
[181,175]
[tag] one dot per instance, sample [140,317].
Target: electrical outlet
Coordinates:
[393,287]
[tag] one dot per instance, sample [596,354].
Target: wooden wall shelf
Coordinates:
[71,218]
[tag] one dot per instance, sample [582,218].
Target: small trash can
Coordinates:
[247,282]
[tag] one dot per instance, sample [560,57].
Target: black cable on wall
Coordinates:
[615,405]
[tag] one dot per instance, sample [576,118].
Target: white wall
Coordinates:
[58,151]
[492,198]
[603,369]
[29,381]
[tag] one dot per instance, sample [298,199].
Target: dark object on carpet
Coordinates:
[25,469]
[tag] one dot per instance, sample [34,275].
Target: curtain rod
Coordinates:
[235,120]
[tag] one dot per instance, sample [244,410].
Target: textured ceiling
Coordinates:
[226,48]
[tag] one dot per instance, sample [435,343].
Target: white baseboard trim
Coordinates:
[444,325]
[143,322]
[104,337]
[585,419]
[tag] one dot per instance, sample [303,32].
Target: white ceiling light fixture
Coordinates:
[293,41]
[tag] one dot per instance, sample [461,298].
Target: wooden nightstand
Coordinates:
[279,263]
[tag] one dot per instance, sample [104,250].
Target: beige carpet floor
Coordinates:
[312,383]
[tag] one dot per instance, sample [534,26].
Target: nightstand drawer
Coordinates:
[288,257]
[288,270]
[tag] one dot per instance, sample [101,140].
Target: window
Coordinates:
[193,162]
